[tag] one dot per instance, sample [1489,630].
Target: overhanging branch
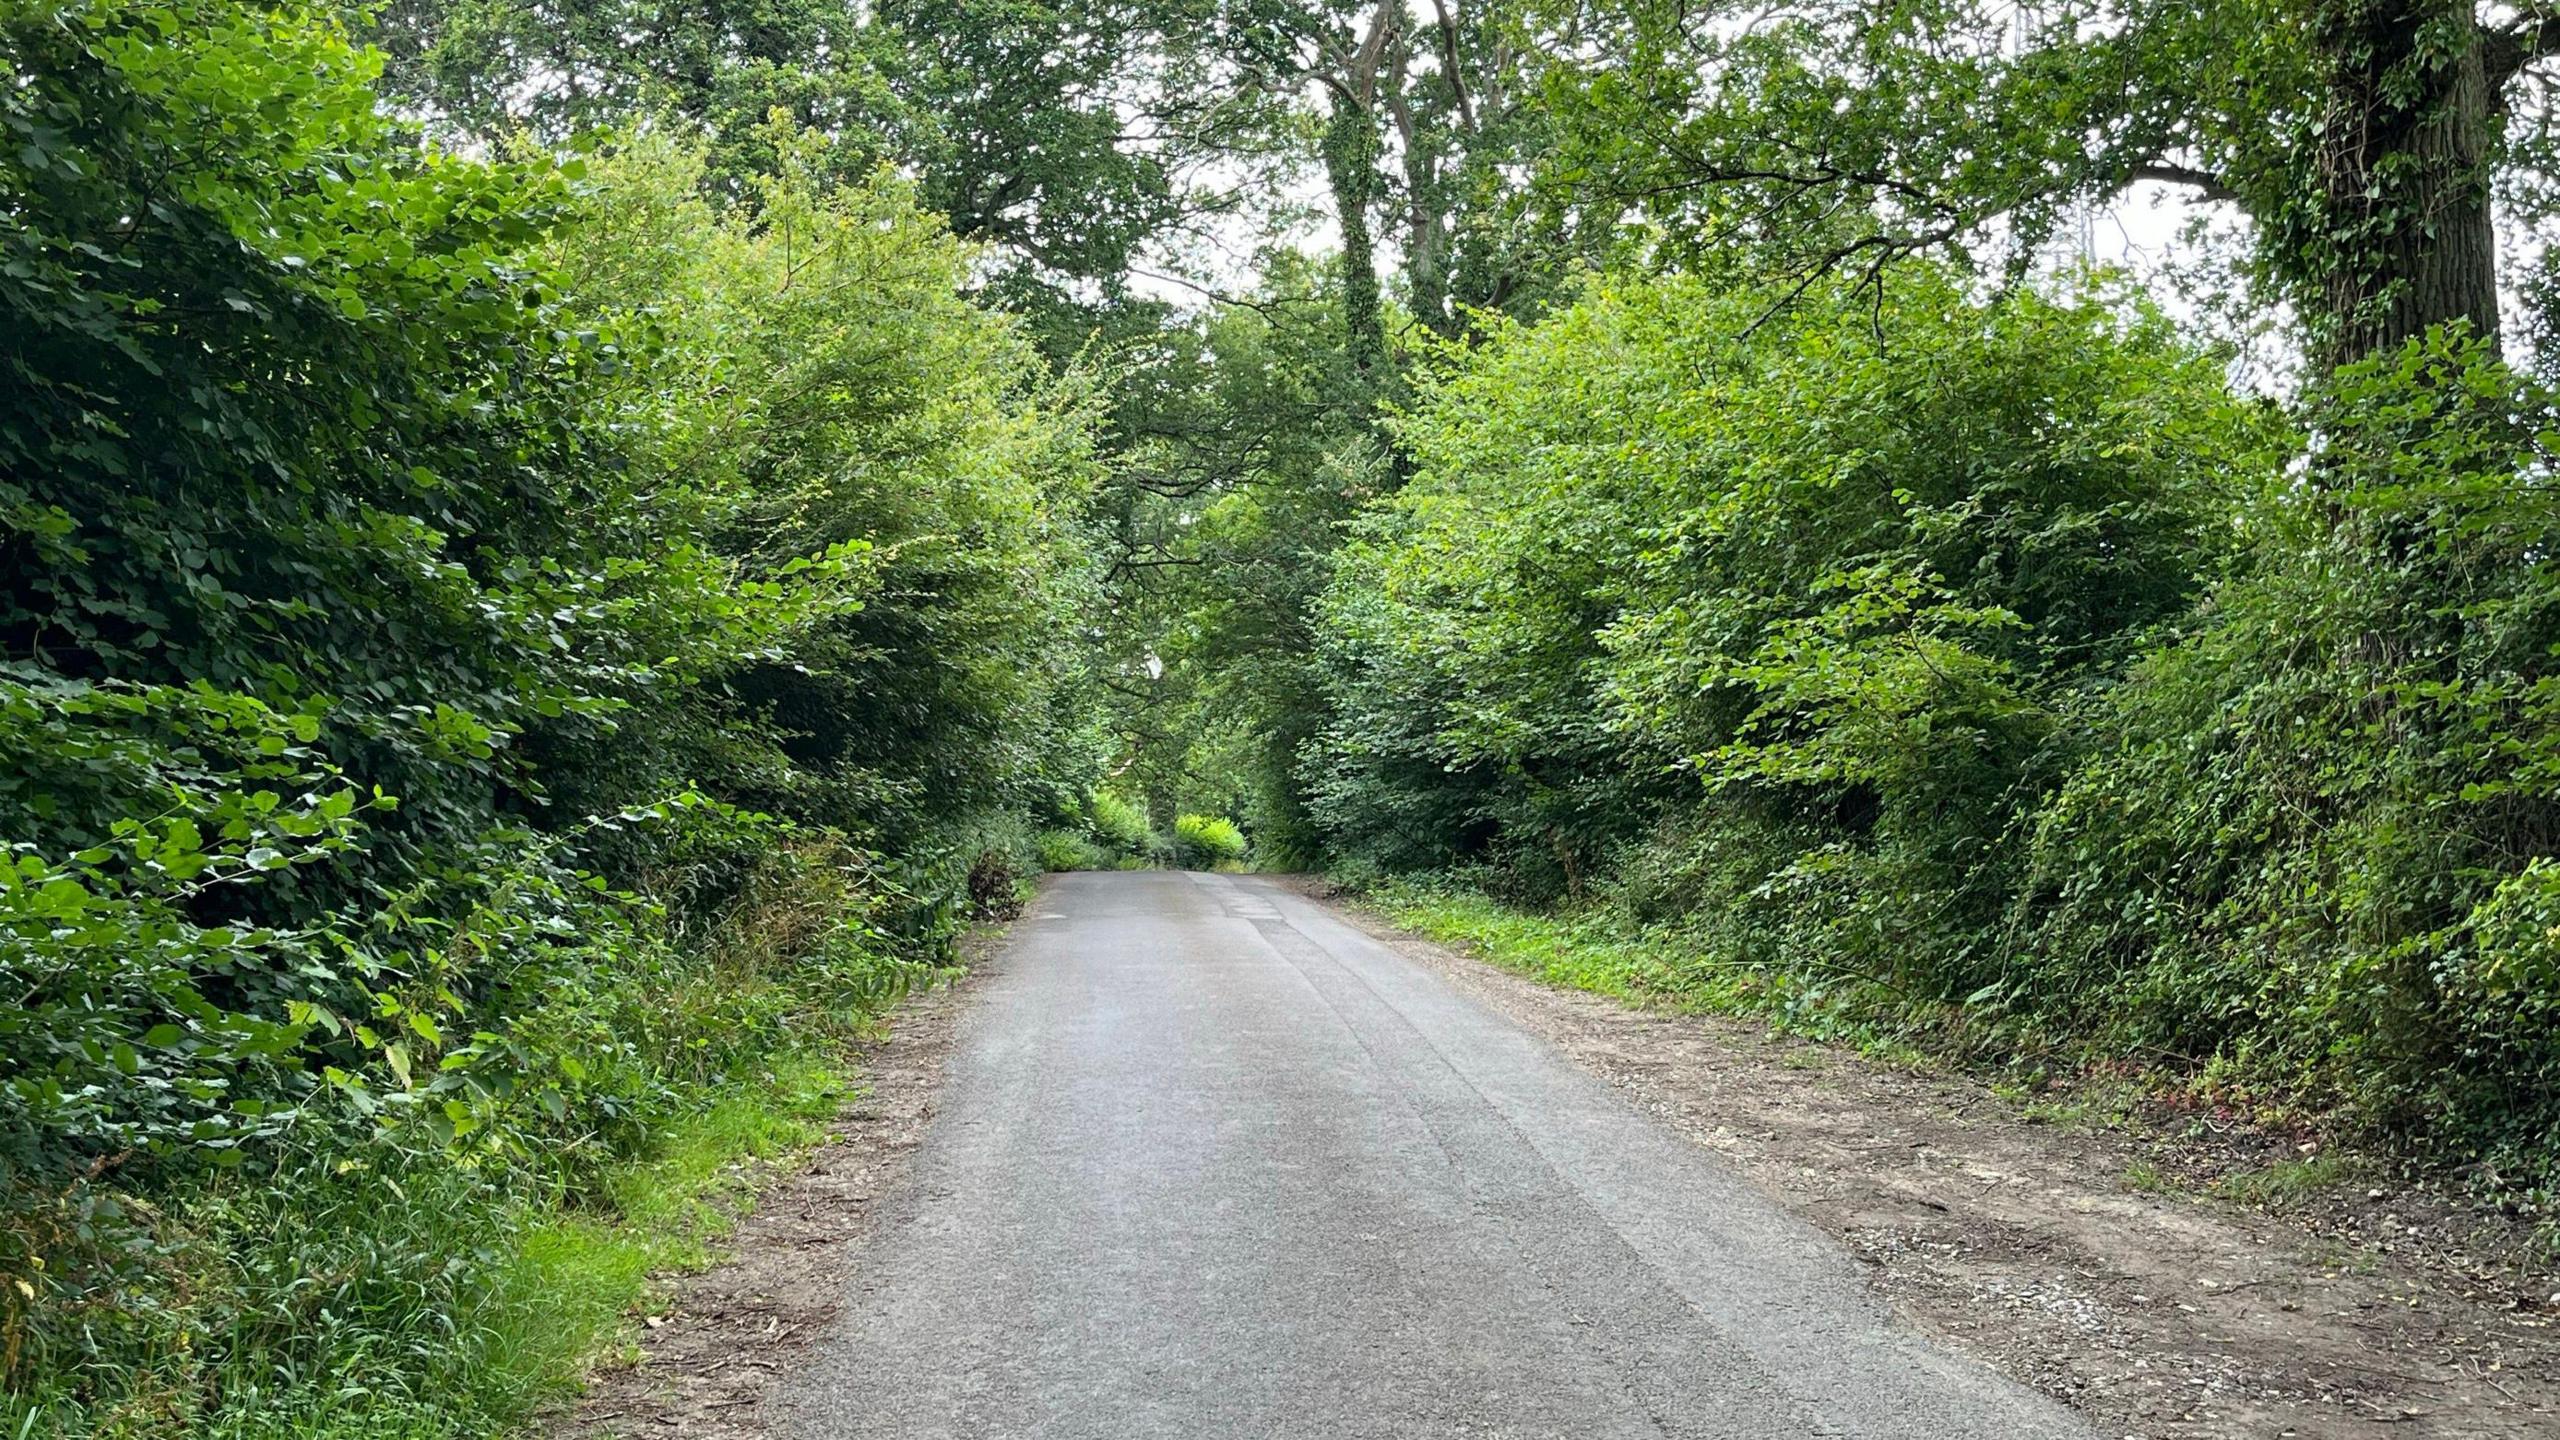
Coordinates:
[2203,182]
[2506,52]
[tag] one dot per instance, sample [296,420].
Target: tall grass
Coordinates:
[369,1283]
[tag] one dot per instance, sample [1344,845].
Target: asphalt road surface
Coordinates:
[1212,1162]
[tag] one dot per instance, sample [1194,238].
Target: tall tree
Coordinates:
[1067,137]
[2366,138]
[1422,122]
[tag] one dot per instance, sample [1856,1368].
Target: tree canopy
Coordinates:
[558,551]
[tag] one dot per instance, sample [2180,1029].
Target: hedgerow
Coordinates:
[1985,668]
[495,655]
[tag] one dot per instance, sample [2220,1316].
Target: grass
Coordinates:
[355,1280]
[577,1278]
[1541,947]
[2145,1177]
[364,1305]
[1641,968]
[2288,1182]
[2070,1111]
[682,1193]
[1585,954]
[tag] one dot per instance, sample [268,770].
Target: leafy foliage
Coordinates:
[2314,841]
[1988,667]
[1119,827]
[1817,571]
[492,652]
[2363,139]
[1207,842]
[1027,126]
[501,645]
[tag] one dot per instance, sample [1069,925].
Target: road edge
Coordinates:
[718,1340]
[2014,1241]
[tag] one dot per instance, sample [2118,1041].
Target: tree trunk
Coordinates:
[1351,169]
[1426,223]
[2401,235]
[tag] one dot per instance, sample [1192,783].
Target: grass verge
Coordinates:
[1589,952]
[579,1277]
[1592,952]
[361,1302]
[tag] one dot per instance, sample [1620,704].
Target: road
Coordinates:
[1212,1162]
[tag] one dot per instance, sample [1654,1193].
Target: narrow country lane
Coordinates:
[1211,1162]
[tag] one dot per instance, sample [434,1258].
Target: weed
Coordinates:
[2065,1111]
[2288,1182]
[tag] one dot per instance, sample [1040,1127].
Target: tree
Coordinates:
[1243,435]
[2366,138]
[1066,137]
[1425,117]
[483,69]
[494,650]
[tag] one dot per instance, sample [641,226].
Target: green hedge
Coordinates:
[1987,671]
[495,654]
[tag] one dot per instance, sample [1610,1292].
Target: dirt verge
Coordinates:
[2065,1253]
[718,1340]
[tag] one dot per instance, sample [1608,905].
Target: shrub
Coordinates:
[462,703]
[1997,676]
[1829,591]
[995,884]
[1119,827]
[1207,842]
[438,1117]
[1067,850]
[2312,845]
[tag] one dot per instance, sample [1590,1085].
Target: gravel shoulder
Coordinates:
[2079,1258]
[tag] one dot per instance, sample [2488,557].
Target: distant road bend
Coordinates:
[1212,1162]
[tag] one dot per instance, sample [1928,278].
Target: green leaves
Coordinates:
[475,624]
[2311,826]
[340,469]
[106,944]
[1669,536]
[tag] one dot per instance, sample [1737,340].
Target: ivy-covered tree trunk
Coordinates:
[1427,247]
[2395,234]
[1351,170]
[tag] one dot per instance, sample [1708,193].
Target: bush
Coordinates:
[2004,680]
[1060,850]
[2312,846]
[1207,842]
[383,1213]
[468,707]
[996,883]
[1119,827]
[1826,586]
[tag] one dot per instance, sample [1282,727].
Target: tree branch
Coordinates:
[2204,182]
[2505,53]
[1449,61]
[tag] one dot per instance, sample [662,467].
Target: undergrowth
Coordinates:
[365,1279]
